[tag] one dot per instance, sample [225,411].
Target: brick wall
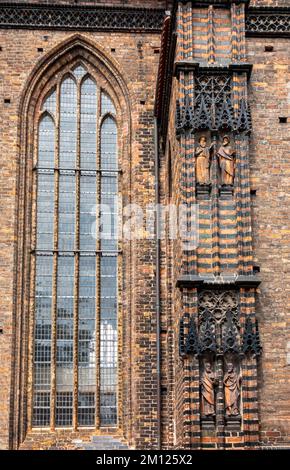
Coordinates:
[269,158]
[137,62]
[137,59]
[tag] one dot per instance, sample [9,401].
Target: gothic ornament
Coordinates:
[84,18]
[202,116]
[192,343]
[230,337]
[181,338]
[218,303]
[244,121]
[258,346]
[212,108]
[207,335]
[273,23]
[184,116]
[251,338]
[225,116]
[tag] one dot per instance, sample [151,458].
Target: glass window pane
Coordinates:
[87,340]
[66,279]
[46,143]
[109,212]
[49,103]
[68,124]
[79,71]
[88,201]
[88,124]
[64,340]
[42,341]
[107,105]
[67,211]
[109,144]
[45,211]
[108,341]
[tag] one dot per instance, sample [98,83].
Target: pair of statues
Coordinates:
[226,156]
[232,386]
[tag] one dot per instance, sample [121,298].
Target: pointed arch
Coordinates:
[80,50]
[77,50]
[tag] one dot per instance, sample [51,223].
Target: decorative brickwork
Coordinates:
[86,18]
[202,338]
[212,115]
[268,22]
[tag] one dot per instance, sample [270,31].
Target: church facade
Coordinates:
[145,229]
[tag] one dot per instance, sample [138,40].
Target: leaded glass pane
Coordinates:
[108,341]
[87,340]
[46,143]
[88,201]
[68,124]
[64,340]
[107,105]
[109,212]
[45,211]
[86,408]
[109,144]
[42,341]
[88,124]
[67,211]
[79,72]
[49,103]
[65,184]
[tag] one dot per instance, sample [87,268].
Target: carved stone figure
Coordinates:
[226,156]
[232,386]
[208,382]
[203,156]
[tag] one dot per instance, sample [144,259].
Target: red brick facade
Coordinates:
[162,285]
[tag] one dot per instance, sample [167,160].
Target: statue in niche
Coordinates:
[203,157]
[232,386]
[208,383]
[226,156]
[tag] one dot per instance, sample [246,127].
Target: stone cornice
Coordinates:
[261,22]
[221,281]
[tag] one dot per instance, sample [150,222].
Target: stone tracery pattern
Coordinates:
[85,18]
[52,17]
[212,107]
[258,23]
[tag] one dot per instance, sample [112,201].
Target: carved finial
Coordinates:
[225,116]
[202,118]
[244,121]
[230,338]
[192,343]
[181,338]
[251,338]
[207,335]
[184,115]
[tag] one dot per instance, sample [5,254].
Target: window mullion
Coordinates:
[77,269]
[32,302]
[55,264]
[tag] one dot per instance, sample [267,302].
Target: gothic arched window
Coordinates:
[75,312]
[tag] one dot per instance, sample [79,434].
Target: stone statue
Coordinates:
[232,385]
[203,156]
[226,156]
[208,382]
